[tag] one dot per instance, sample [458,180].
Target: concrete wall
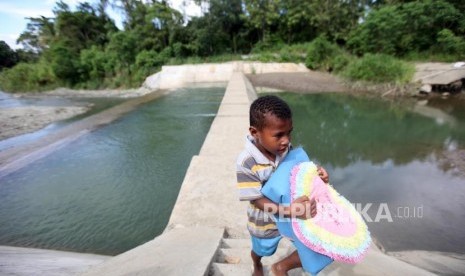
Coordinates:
[178,76]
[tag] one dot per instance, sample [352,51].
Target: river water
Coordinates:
[386,159]
[114,188]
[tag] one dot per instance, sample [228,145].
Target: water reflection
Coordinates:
[383,153]
[341,129]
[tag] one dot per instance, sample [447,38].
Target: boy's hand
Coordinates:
[323,174]
[303,208]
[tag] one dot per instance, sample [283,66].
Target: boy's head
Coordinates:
[271,125]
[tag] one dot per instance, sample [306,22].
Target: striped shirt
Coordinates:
[253,169]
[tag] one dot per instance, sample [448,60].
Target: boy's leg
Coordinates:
[262,247]
[290,262]
[257,264]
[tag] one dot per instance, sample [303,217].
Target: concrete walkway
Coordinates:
[436,73]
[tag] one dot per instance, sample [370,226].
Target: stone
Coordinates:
[425,89]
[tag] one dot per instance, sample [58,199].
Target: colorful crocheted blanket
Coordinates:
[337,230]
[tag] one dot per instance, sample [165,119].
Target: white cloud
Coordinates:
[71,3]
[10,39]
[187,7]
[24,12]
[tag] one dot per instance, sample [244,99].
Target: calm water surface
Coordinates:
[386,155]
[114,188]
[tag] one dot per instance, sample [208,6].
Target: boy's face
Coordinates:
[274,138]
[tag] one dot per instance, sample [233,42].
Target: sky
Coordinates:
[13,15]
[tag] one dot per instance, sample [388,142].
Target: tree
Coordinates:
[221,29]
[83,28]
[403,28]
[64,62]
[8,57]
[123,45]
[39,33]
[262,15]
[228,17]
[298,21]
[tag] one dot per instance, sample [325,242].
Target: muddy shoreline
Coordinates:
[22,119]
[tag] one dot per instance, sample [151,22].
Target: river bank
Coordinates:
[28,112]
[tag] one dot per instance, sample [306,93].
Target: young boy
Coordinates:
[266,146]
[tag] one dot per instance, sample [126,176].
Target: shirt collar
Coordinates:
[259,156]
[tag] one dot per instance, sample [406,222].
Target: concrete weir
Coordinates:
[206,234]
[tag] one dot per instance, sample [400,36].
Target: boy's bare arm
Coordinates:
[302,207]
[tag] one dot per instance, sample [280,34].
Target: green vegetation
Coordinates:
[327,56]
[379,68]
[357,39]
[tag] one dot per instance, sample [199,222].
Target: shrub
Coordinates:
[165,54]
[27,77]
[449,43]
[326,56]
[273,43]
[287,55]
[92,64]
[379,68]
[147,63]
[339,62]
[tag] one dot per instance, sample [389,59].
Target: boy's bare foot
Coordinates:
[257,270]
[290,262]
[277,270]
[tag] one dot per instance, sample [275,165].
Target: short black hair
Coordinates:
[268,104]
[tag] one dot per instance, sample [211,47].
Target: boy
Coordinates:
[268,143]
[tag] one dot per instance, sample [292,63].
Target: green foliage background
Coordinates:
[357,39]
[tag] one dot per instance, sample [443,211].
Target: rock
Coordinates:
[425,89]
[232,260]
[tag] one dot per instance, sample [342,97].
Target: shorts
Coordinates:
[265,246]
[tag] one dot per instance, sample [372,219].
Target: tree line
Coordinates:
[83,48]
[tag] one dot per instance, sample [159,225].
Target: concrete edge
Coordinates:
[179,251]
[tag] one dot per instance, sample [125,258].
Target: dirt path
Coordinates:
[311,82]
